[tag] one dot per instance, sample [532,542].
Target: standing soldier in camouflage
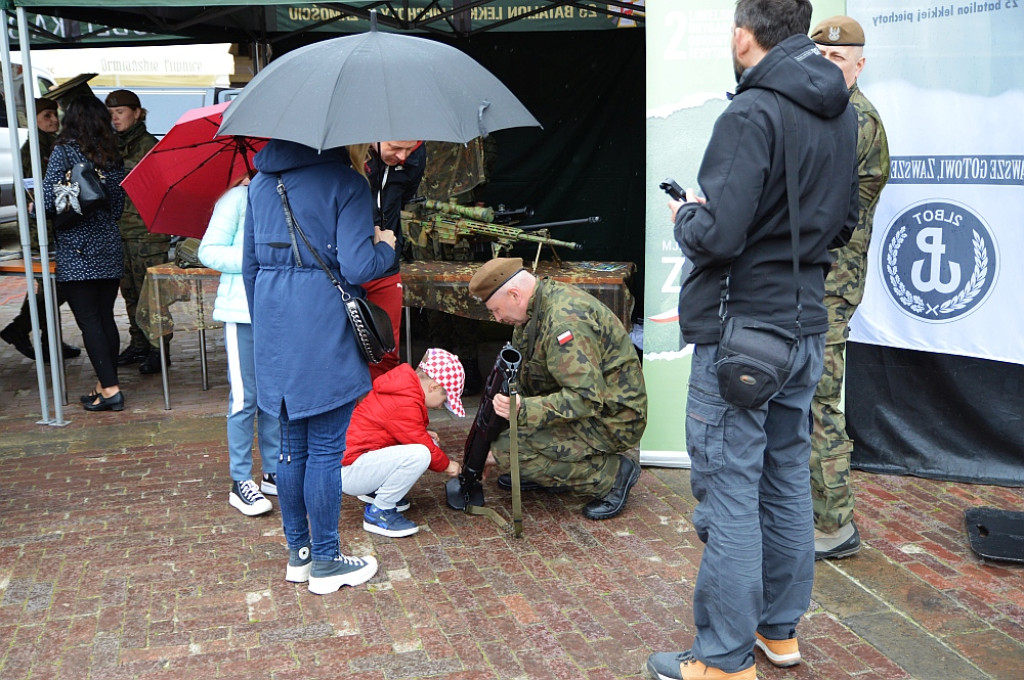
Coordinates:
[841,40]
[142,249]
[583,402]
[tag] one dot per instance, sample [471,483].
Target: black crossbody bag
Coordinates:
[755,358]
[374,333]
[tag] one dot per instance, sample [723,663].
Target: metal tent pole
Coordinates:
[23,232]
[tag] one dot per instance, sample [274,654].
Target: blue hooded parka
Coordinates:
[306,355]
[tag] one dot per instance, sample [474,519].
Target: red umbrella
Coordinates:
[176,184]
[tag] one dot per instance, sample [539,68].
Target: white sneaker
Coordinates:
[246,496]
[269,484]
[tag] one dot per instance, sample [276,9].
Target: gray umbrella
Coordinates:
[374,87]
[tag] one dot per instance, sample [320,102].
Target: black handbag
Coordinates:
[82,191]
[371,325]
[755,358]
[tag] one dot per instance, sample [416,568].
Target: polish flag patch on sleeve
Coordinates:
[565,337]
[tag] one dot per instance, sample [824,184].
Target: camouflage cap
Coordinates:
[838,31]
[123,98]
[44,104]
[493,275]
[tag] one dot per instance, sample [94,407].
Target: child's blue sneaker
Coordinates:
[387,522]
[401,505]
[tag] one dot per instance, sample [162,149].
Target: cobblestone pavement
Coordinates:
[121,558]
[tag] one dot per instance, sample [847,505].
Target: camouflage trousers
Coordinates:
[139,255]
[558,457]
[831,494]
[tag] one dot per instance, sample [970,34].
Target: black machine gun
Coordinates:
[466,490]
[429,224]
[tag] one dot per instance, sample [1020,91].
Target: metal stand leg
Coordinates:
[60,339]
[202,358]
[163,373]
[408,336]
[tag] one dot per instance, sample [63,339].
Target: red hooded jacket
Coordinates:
[394,412]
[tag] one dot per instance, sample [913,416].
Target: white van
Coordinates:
[44,82]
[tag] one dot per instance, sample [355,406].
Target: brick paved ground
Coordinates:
[120,558]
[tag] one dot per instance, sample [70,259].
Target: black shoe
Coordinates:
[88,398]
[505,482]
[114,403]
[615,500]
[151,364]
[132,355]
[20,342]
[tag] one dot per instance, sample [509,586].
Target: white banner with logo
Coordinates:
[949,228]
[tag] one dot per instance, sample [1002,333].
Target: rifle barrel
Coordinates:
[593,219]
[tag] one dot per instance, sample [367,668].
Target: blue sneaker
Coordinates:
[387,522]
[401,505]
[328,576]
[299,564]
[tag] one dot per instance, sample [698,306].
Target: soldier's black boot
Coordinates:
[151,364]
[132,355]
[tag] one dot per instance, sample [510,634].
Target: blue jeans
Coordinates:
[309,479]
[242,408]
[751,479]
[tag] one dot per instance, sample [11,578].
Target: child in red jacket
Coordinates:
[388,446]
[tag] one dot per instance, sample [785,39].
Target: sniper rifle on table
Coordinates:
[432,223]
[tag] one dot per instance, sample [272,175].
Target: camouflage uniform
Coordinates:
[452,170]
[582,396]
[142,249]
[844,288]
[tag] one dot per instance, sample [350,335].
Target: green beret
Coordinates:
[838,31]
[493,275]
[123,98]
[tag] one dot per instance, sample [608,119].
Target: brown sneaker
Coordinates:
[782,653]
[683,666]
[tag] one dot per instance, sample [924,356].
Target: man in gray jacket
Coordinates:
[749,465]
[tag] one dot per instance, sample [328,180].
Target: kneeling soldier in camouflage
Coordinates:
[583,403]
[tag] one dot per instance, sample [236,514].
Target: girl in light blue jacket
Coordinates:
[221,249]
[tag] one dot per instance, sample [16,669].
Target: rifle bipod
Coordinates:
[466,493]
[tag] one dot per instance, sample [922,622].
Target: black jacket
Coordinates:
[400,185]
[745,222]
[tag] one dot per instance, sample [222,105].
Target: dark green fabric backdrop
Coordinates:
[587,90]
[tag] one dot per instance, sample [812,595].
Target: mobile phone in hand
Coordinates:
[670,187]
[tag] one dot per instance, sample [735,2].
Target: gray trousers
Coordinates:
[388,472]
[751,479]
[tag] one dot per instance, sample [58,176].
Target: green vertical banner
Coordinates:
[689,69]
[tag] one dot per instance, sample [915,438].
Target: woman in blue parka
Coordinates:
[308,367]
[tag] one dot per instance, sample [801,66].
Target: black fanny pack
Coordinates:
[754,361]
[756,358]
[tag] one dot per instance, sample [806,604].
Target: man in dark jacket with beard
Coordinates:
[749,466]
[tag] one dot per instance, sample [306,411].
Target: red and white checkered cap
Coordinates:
[446,369]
